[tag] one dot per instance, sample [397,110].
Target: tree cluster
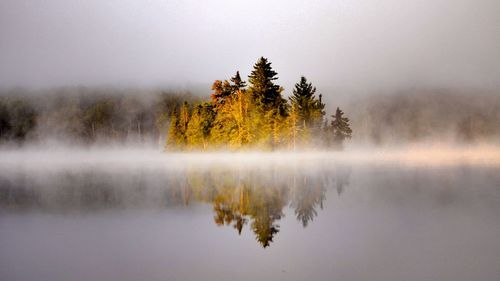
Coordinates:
[257,116]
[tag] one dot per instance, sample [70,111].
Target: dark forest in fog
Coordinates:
[427,115]
[83,115]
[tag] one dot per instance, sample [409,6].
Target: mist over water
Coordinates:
[140,214]
[90,189]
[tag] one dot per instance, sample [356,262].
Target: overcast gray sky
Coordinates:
[359,45]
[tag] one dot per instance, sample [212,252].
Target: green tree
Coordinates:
[304,99]
[340,128]
[238,84]
[270,105]
[309,108]
[262,87]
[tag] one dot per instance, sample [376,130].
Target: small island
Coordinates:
[257,116]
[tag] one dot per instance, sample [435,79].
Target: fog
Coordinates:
[417,155]
[343,47]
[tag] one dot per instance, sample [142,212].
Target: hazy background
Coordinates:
[347,46]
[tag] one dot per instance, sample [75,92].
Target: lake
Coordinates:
[146,215]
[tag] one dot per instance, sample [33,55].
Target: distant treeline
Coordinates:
[83,115]
[257,116]
[465,116]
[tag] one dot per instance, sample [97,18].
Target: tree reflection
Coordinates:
[253,198]
[258,197]
[307,198]
[343,174]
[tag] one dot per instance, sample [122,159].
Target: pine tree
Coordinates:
[270,105]
[309,108]
[319,112]
[238,84]
[340,128]
[264,91]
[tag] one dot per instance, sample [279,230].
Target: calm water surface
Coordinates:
[256,218]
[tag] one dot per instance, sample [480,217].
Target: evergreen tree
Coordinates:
[310,108]
[340,128]
[264,91]
[318,112]
[270,105]
[238,84]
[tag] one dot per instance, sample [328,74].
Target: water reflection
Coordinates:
[193,218]
[249,197]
